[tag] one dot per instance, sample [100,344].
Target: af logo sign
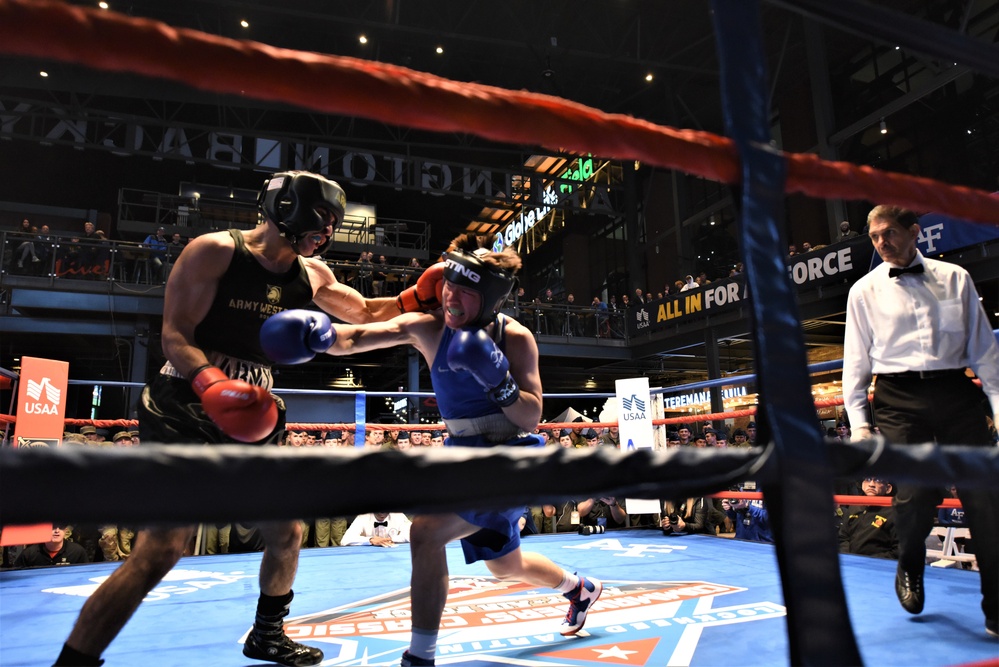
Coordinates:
[486,621]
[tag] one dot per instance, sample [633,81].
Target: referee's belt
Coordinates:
[923,375]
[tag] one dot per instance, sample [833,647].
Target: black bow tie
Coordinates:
[916,268]
[381,523]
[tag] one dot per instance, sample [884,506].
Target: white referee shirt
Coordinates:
[915,322]
[362,529]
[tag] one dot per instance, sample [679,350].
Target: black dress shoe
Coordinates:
[909,589]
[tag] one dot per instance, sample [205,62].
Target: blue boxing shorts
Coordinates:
[500,529]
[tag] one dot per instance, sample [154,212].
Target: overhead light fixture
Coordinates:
[884,127]
[649,77]
[232,193]
[440,50]
[103,5]
[43,74]
[363,39]
[244,23]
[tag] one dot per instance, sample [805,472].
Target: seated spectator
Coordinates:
[685,516]
[672,440]
[436,439]
[806,247]
[845,232]
[842,432]
[570,321]
[419,439]
[688,283]
[869,530]
[612,437]
[601,318]
[591,438]
[565,438]
[380,529]
[526,522]
[374,438]
[739,438]
[122,439]
[157,243]
[413,272]
[57,551]
[174,248]
[403,442]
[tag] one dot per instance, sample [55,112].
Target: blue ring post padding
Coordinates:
[800,505]
[360,417]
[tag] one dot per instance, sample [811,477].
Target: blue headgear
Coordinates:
[494,284]
[289,200]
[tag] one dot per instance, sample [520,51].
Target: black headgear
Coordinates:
[494,284]
[289,200]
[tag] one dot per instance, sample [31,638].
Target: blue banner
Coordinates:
[939,233]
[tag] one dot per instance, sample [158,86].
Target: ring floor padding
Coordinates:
[696,600]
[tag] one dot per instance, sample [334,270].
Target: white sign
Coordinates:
[634,413]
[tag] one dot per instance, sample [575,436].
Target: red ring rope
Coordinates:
[114,42]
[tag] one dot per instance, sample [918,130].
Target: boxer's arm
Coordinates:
[522,353]
[344,302]
[416,329]
[190,292]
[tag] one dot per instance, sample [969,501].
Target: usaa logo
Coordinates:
[487,621]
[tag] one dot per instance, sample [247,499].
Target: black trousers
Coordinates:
[947,410]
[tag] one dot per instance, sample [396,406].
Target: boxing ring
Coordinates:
[815,588]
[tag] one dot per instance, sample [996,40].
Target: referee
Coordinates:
[917,324]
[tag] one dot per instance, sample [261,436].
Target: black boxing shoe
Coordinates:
[909,589]
[280,649]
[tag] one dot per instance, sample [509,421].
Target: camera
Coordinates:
[674,518]
[592,530]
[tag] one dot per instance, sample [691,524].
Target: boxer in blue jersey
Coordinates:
[484,370]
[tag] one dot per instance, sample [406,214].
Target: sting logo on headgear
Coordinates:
[290,199]
[494,284]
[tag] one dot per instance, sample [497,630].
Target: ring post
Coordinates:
[800,502]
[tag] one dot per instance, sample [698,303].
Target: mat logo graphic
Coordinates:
[646,624]
[630,550]
[52,395]
[176,582]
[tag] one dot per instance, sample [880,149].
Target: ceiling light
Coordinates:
[103,5]
[244,23]
[884,127]
[362,39]
[440,50]
[649,77]
[43,74]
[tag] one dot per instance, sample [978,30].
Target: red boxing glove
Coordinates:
[425,295]
[243,411]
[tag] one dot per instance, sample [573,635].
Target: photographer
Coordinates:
[686,516]
[751,518]
[603,511]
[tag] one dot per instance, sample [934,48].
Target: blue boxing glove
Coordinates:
[477,353]
[296,336]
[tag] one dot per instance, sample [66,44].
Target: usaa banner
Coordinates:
[634,413]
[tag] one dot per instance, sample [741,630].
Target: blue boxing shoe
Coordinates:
[581,599]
